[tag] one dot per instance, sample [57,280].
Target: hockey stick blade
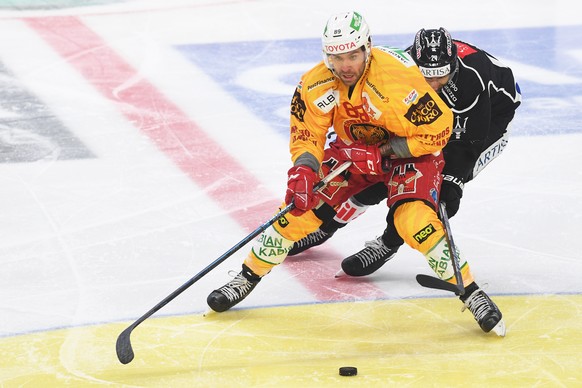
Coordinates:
[436,283]
[123,346]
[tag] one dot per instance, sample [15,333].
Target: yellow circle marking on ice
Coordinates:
[416,342]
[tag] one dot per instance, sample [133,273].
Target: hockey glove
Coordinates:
[300,189]
[366,159]
[451,193]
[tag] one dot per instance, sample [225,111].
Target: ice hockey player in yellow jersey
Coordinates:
[391,126]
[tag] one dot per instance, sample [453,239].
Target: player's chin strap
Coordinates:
[123,346]
[433,282]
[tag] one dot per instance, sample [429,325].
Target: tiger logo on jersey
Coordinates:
[403,180]
[368,133]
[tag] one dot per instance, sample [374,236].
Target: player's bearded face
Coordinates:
[437,83]
[348,67]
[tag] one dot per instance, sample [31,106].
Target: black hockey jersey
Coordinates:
[483,95]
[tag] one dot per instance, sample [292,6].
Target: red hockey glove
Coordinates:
[366,159]
[300,189]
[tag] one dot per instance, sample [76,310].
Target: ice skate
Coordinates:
[486,313]
[369,259]
[234,291]
[311,240]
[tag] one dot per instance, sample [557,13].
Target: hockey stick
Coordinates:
[432,282]
[123,346]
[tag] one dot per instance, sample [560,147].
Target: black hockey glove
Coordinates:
[451,193]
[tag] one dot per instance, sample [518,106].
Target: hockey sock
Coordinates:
[273,245]
[422,230]
[268,250]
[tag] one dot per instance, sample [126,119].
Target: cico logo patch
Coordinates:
[425,111]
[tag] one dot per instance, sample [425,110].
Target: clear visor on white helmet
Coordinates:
[343,33]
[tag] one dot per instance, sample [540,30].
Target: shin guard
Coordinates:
[273,245]
[418,225]
[439,259]
[268,250]
[422,230]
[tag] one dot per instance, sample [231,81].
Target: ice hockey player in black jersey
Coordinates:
[483,95]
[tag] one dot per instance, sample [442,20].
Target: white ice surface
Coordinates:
[105,239]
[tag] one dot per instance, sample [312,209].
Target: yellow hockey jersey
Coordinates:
[391,99]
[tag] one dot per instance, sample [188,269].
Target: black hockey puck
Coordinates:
[348,371]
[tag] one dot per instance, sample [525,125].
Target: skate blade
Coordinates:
[208,312]
[340,273]
[499,329]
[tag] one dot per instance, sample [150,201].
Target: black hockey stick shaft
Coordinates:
[455,260]
[433,282]
[123,346]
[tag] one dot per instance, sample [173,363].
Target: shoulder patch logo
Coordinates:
[463,49]
[399,54]
[297,105]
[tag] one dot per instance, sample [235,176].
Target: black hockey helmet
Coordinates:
[434,52]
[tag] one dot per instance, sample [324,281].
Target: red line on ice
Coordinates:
[187,145]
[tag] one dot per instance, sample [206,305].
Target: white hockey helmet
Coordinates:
[343,33]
